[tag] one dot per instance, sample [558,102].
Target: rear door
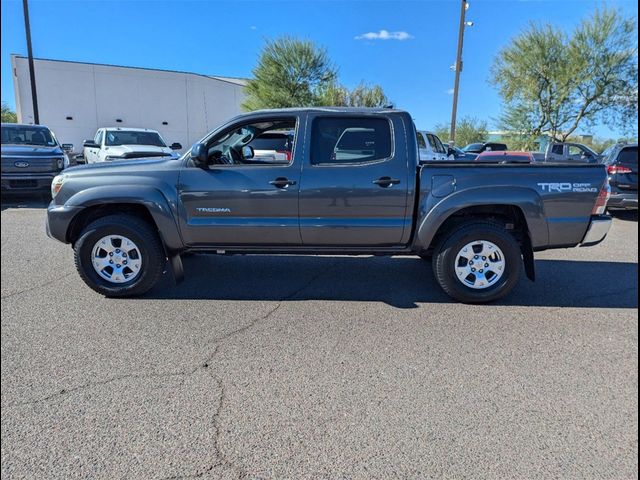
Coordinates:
[355,180]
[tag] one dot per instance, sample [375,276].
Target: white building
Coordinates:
[75,99]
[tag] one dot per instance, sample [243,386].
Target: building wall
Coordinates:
[75,99]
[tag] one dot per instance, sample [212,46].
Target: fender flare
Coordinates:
[436,211]
[149,197]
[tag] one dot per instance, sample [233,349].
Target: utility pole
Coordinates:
[458,69]
[32,73]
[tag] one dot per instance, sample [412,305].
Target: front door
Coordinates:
[355,182]
[239,199]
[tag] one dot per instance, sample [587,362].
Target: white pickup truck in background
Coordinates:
[431,147]
[119,143]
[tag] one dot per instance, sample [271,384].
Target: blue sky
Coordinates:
[225,38]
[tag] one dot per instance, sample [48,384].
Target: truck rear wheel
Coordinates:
[478,262]
[119,256]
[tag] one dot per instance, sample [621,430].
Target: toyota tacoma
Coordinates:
[352,184]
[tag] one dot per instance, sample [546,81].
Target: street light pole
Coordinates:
[32,74]
[458,65]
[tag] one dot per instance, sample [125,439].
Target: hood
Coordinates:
[137,164]
[126,150]
[31,150]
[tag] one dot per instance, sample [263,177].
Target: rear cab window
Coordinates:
[350,140]
[629,156]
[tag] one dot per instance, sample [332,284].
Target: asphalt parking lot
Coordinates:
[309,367]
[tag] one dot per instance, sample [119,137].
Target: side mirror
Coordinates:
[451,151]
[67,147]
[200,154]
[176,146]
[90,144]
[247,152]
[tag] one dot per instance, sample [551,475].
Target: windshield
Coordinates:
[133,137]
[27,135]
[473,147]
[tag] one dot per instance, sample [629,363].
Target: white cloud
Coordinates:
[253,27]
[384,35]
[449,91]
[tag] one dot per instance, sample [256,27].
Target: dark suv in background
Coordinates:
[622,165]
[485,147]
[31,157]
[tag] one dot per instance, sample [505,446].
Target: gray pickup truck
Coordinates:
[349,182]
[566,152]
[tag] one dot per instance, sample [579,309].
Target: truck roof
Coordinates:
[130,129]
[31,125]
[330,109]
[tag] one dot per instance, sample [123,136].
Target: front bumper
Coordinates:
[597,231]
[26,182]
[59,218]
[625,201]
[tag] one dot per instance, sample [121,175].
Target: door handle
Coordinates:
[386,182]
[282,182]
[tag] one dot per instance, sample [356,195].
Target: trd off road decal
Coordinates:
[567,187]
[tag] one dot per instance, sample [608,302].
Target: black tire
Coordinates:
[133,228]
[445,255]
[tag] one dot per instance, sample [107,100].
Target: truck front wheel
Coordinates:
[119,256]
[478,262]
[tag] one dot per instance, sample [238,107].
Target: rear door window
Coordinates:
[350,140]
[432,142]
[439,146]
[557,149]
[421,142]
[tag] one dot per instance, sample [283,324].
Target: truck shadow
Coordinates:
[24,201]
[625,215]
[402,282]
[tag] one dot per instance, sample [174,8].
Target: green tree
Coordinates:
[8,115]
[362,95]
[468,130]
[553,82]
[297,73]
[290,73]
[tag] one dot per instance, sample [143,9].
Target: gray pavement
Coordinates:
[308,367]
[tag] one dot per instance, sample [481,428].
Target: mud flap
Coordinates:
[529,262]
[175,262]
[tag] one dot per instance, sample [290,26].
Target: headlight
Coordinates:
[56,185]
[60,162]
[110,159]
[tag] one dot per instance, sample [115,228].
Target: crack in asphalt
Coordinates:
[222,459]
[65,391]
[35,287]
